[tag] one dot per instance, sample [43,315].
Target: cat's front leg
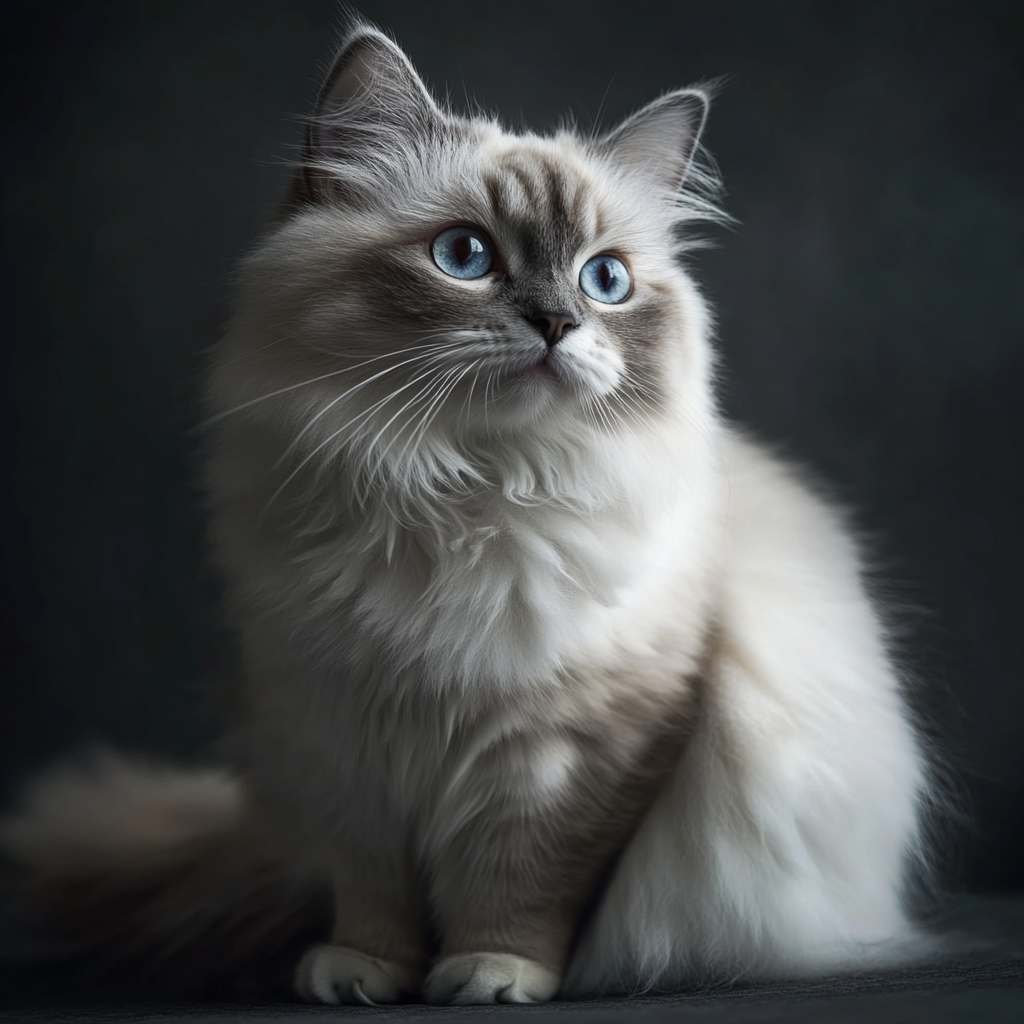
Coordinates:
[518,849]
[377,948]
[504,916]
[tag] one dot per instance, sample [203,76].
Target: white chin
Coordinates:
[522,399]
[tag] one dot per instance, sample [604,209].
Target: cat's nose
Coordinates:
[552,325]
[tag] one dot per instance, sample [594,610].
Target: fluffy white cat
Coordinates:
[562,684]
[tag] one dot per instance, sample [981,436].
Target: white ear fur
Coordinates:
[659,140]
[371,90]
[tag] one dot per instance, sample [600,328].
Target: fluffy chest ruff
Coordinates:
[520,644]
[577,557]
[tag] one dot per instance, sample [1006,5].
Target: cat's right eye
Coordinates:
[464,253]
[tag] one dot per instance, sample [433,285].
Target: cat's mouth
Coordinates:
[542,377]
[544,368]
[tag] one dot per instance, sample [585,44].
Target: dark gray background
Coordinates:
[871,312]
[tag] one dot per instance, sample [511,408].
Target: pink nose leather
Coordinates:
[553,326]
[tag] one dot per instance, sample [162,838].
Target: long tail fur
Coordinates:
[156,876]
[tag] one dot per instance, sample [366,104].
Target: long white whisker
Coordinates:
[614,427]
[466,406]
[691,416]
[432,410]
[587,405]
[273,394]
[323,444]
[419,344]
[217,417]
[487,389]
[420,395]
[422,357]
[637,409]
[255,351]
[638,414]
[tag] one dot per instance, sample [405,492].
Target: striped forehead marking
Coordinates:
[536,194]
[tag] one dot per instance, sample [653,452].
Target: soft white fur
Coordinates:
[472,978]
[329,974]
[402,623]
[408,603]
[781,846]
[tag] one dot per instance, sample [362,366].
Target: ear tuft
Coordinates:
[659,141]
[372,94]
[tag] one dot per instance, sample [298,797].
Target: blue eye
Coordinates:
[605,279]
[462,252]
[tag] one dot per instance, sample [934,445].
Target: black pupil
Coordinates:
[606,275]
[463,248]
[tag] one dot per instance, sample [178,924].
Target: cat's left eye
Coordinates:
[606,279]
[464,253]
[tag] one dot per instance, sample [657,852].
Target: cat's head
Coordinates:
[435,274]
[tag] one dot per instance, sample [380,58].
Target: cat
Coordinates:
[563,684]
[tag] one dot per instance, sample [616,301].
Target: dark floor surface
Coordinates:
[982,980]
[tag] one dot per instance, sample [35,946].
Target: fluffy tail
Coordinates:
[156,876]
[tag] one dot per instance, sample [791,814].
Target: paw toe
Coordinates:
[335,974]
[471,979]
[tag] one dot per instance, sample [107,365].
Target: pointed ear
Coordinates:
[372,97]
[658,142]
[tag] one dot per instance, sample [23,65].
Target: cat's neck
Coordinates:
[575,470]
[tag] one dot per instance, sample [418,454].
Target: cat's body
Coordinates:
[563,683]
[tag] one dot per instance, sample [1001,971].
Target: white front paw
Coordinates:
[469,979]
[336,974]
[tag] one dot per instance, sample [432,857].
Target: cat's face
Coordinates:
[468,279]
